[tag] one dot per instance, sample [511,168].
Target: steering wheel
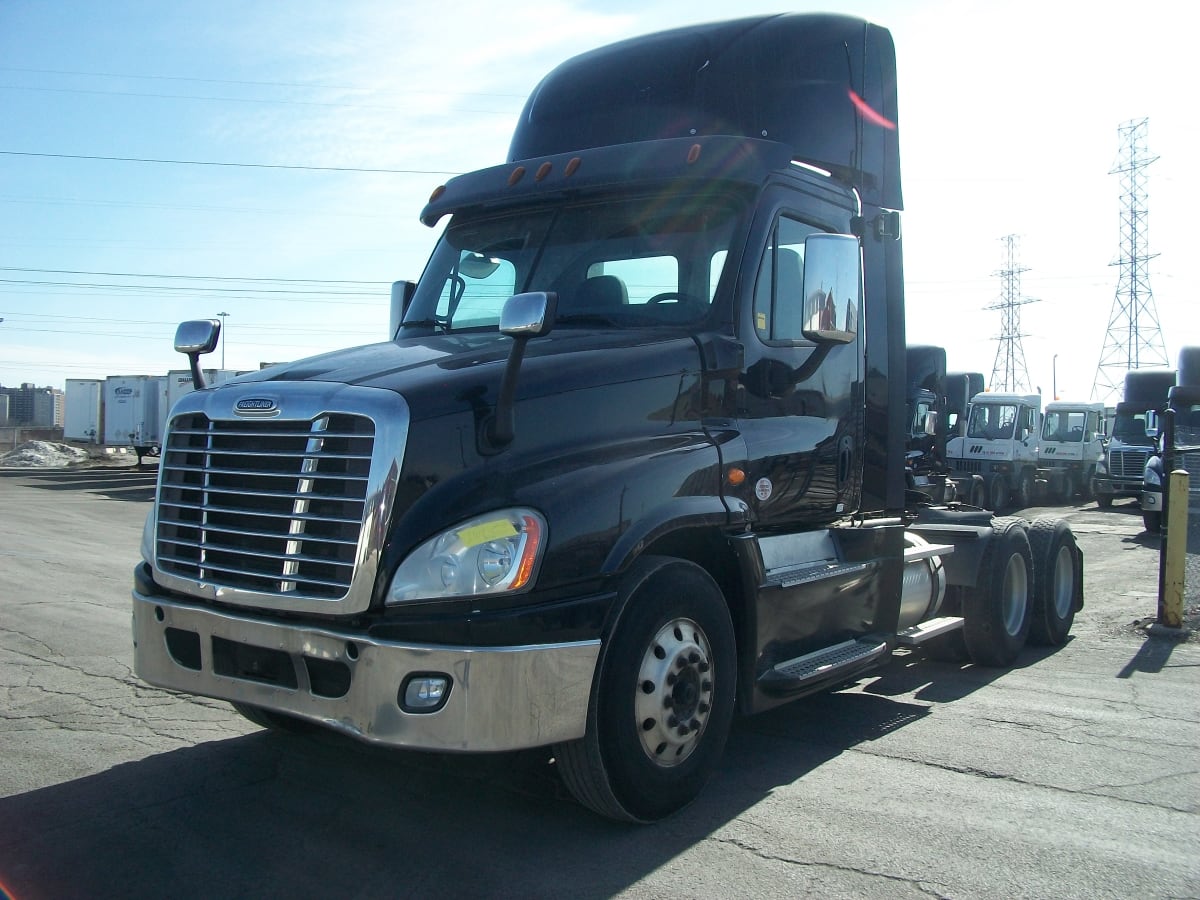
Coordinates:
[677,296]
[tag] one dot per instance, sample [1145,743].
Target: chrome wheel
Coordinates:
[1015,594]
[674,692]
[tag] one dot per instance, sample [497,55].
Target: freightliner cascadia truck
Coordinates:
[633,463]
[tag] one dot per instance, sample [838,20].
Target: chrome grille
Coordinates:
[1127,463]
[271,507]
[969,466]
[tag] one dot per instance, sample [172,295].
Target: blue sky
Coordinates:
[268,117]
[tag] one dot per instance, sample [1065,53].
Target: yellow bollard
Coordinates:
[1170,597]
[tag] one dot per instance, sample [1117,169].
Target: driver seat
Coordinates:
[602,292]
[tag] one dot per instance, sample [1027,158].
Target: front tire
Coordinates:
[998,495]
[1056,585]
[1024,493]
[1152,521]
[996,611]
[663,698]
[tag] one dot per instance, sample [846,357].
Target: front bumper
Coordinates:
[1152,500]
[500,698]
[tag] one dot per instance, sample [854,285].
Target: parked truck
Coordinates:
[1183,399]
[1131,441]
[630,465]
[1000,445]
[1071,448]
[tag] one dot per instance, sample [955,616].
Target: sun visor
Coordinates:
[824,85]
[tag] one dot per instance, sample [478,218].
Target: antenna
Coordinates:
[1134,339]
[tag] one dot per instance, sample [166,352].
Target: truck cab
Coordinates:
[1177,446]
[1134,435]
[1001,446]
[1071,448]
[632,462]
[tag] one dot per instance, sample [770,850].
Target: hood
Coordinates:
[441,374]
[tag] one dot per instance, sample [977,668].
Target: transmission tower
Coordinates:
[1134,339]
[1009,372]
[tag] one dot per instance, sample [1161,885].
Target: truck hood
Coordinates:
[442,374]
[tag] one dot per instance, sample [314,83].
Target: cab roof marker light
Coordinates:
[543,171]
[572,166]
[517,174]
[693,154]
[437,193]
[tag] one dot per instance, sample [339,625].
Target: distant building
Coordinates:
[34,407]
[3,407]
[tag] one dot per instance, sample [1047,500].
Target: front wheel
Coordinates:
[1104,501]
[663,699]
[1152,521]
[998,495]
[1024,492]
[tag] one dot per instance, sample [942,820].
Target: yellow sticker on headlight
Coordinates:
[495,530]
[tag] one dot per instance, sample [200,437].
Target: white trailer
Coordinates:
[83,410]
[178,383]
[131,412]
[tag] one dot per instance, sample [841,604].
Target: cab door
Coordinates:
[799,405]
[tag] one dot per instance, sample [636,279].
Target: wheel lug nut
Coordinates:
[693,657]
[706,685]
[672,721]
[704,666]
[668,701]
[703,707]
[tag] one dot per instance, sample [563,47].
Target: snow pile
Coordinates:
[44,454]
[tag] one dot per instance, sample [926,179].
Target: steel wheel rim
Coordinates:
[1014,594]
[673,696]
[1063,584]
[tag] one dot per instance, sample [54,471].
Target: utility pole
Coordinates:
[224,335]
[1134,339]
[1009,373]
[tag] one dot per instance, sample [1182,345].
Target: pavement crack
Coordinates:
[920,885]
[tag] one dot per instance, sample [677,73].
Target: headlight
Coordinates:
[1152,477]
[148,538]
[496,553]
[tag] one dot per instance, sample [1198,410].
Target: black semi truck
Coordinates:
[633,462]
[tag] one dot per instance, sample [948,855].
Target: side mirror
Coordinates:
[195,338]
[931,422]
[402,294]
[832,287]
[523,316]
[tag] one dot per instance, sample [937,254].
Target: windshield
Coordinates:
[992,421]
[1131,428]
[624,262]
[1067,426]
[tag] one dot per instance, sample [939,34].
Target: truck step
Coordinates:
[824,665]
[930,628]
[809,574]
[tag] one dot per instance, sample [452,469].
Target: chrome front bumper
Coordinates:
[500,698]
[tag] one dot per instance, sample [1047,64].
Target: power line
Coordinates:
[289,84]
[231,165]
[191,277]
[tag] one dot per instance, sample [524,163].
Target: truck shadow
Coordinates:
[273,815]
[134,484]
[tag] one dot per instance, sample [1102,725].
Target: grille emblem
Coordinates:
[257,406]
